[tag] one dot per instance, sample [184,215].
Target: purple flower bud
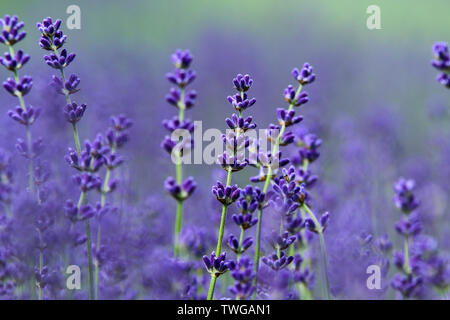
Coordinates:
[404,197]
[11,33]
[218,265]
[180,193]
[242,83]
[182,59]
[277,262]
[240,101]
[305,75]
[18,89]
[25,117]
[14,63]
[74,112]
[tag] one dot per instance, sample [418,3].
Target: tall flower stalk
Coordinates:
[116,137]
[232,160]
[52,39]
[23,114]
[19,87]
[271,162]
[182,100]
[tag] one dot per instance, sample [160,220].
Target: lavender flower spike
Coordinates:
[18,87]
[234,160]
[182,99]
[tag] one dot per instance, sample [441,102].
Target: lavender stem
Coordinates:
[212,285]
[266,188]
[29,140]
[323,250]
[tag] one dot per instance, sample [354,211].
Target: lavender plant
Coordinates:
[419,263]
[232,160]
[181,99]
[288,196]
[441,62]
[87,161]
[19,87]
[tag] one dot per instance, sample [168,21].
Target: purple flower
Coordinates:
[311,225]
[74,112]
[240,101]
[407,285]
[305,75]
[384,243]
[408,226]
[218,265]
[113,160]
[233,244]
[243,274]
[291,96]
[441,59]
[277,262]
[70,86]
[181,77]
[174,98]
[309,144]
[251,198]
[245,221]
[20,88]
[404,197]
[182,59]
[239,123]
[180,193]
[52,37]
[242,83]
[176,124]
[14,63]
[87,181]
[61,61]
[283,241]
[226,194]
[25,117]
[287,118]
[121,122]
[74,214]
[444,79]
[11,33]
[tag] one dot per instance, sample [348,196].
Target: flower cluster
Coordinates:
[19,87]
[243,274]
[420,263]
[52,39]
[175,144]
[441,62]
[218,265]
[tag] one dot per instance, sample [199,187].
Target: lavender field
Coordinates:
[240,150]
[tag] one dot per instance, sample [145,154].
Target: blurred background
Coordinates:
[375,102]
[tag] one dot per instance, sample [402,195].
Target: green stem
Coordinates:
[407,259]
[323,251]
[89,247]
[223,218]
[69,101]
[178,225]
[29,140]
[76,137]
[266,188]
[90,265]
[41,265]
[241,240]
[212,285]
[281,232]
[179,216]
[179,172]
